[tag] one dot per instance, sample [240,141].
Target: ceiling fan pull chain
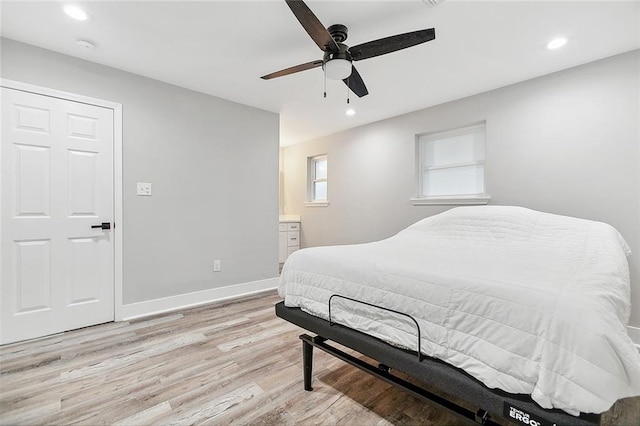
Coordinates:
[325,81]
[348,90]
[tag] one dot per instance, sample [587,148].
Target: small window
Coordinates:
[318,185]
[451,167]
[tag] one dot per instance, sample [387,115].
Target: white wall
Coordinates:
[567,143]
[213,165]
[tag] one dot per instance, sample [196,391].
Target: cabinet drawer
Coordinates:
[282,227]
[293,238]
[292,249]
[295,226]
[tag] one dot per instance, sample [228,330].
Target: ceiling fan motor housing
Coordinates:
[338,32]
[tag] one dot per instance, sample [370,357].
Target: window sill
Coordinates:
[316,204]
[451,200]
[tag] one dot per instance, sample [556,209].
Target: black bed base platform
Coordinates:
[491,403]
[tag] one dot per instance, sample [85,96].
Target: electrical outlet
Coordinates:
[216,266]
[143,188]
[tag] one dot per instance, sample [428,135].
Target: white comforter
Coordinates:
[526,302]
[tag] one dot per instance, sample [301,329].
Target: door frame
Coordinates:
[117,175]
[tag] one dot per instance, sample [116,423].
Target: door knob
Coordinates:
[103,225]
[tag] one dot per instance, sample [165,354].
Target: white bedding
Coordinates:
[526,302]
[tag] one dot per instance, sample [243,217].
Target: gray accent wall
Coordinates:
[566,143]
[213,165]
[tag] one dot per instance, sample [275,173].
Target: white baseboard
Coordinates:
[634,333]
[190,300]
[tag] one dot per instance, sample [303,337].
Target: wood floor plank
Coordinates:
[187,414]
[32,413]
[146,417]
[232,362]
[122,360]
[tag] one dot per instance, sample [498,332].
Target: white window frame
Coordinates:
[312,180]
[454,199]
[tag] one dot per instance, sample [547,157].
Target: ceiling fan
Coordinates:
[338,57]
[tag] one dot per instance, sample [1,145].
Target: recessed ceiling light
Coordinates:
[351,111]
[556,43]
[75,12]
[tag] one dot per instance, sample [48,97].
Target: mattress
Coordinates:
[524,301]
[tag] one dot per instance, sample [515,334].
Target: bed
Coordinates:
[526,305]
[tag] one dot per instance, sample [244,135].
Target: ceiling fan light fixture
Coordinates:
[337,69]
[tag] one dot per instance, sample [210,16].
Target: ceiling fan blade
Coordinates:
[291,70]
[391,44]
[312,25]
[355,83]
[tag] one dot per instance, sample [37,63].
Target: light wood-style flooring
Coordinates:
[229,362]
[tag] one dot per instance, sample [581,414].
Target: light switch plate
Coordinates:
[144,189]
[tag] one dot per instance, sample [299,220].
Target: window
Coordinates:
[450,167]
[317,181]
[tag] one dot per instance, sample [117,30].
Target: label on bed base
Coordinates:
[522,417]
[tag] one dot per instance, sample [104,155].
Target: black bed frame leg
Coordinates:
[307,362]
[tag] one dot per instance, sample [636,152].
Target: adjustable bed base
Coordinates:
[491,403]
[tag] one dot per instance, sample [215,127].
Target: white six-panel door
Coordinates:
[57,182]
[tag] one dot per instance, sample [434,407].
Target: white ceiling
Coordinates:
[223,47]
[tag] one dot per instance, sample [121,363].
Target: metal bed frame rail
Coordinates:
[384,309]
